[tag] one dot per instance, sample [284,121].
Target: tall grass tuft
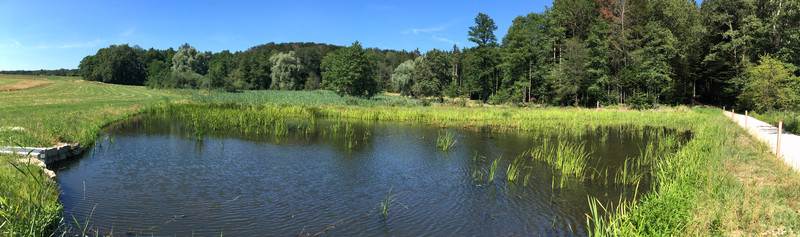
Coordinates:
[446,140]
[493,169]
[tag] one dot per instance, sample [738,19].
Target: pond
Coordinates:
[151,176]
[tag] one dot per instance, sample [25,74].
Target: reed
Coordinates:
[493,169]
[445,141]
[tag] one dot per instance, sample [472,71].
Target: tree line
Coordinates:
[577,52]
[42,72]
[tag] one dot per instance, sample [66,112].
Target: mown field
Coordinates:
[722,182]
[69,110]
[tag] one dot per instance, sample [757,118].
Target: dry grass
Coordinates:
[24,85]
[21,77]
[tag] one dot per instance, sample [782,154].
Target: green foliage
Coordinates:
[654,69]
[480,62]
[349,71]
[286,70]
[640,101]
[569,78]
[431,74]
[187,59]
[403,77]
[770,86]
[118,64]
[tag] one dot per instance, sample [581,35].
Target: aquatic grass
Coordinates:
[388,202]
[493,169]
[445,141]
[514,168]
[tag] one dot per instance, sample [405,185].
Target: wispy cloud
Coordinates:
[87,44]
[10,44]
[128,32]
[426,30]
[443,39]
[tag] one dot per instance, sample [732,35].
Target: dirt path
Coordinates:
[790,143]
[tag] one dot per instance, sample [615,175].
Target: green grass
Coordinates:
[69,110]
[445,141]
[9,81]
[316,98]
[28,200]
[719,183]
[791,119]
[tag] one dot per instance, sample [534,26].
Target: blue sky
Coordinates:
[58,34]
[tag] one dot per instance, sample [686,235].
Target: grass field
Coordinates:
[69,110]
[8,81]
[722,182]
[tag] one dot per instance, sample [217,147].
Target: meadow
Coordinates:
[721,182]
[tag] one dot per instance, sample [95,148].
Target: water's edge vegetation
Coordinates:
[694,190]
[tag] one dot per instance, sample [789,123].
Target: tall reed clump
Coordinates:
[514,169]
[568,159]
[445,141]
[28,200]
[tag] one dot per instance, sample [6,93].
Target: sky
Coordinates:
[58,34]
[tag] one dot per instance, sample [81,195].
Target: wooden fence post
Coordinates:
[732,113]
[778,145]
[745,120]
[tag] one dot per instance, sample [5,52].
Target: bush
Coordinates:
[640,101]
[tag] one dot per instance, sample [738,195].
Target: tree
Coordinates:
[117,64]
[569,79]
[286,69]
[481,72]
[349,71]
[187,59]
[654,68]
[770,86]
[431,74]
[403,77]
[597,66]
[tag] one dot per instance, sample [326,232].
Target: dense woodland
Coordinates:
[740,53]
[58,72]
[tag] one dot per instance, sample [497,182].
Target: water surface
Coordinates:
[149,176]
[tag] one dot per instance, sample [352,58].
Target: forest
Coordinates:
[740,53]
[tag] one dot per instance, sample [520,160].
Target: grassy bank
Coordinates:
[791,120]
[720,182]
[69,110]
[28,200]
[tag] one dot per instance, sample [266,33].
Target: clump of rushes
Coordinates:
[514,168]
[493,169]
[389,202]
[446,140]
[568,159]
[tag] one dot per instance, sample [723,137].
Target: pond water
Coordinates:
[150,177]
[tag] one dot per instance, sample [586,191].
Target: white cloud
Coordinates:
[426,30]
[443,39]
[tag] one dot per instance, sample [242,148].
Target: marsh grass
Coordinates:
[493,169]
[445,141]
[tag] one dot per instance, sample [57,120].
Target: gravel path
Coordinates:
[790,143]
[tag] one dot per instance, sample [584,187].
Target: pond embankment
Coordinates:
[43,156]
